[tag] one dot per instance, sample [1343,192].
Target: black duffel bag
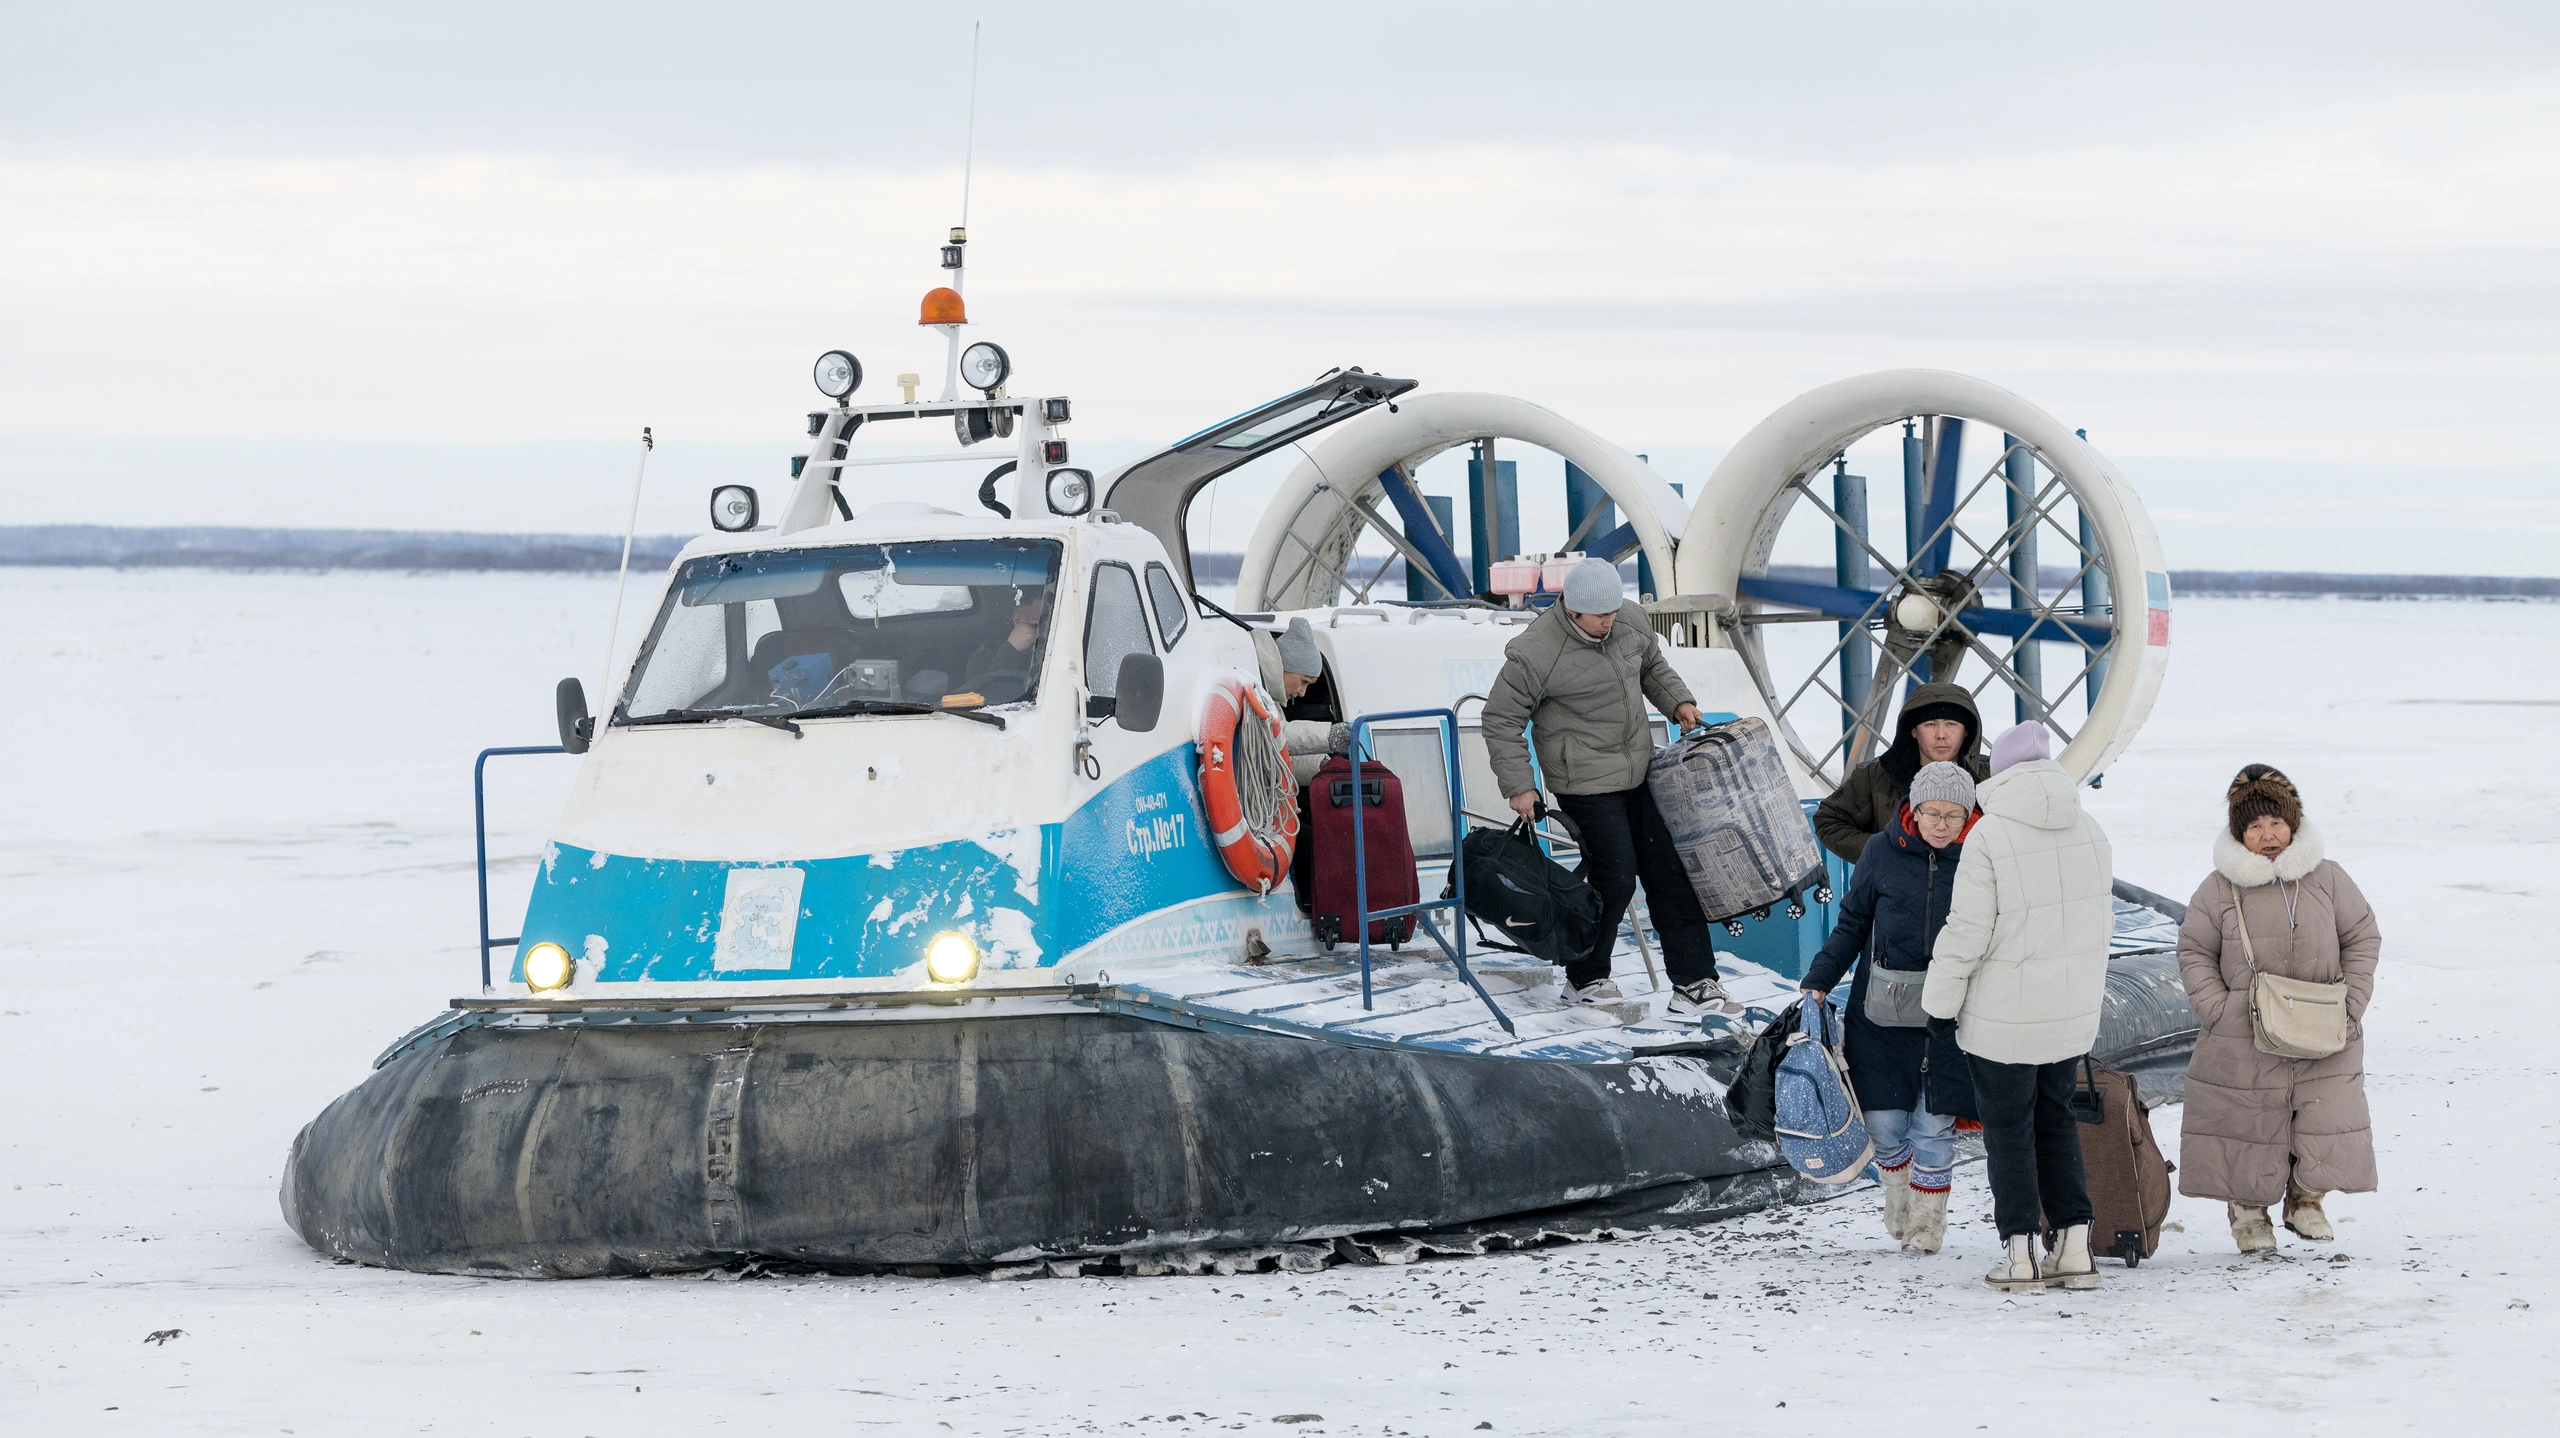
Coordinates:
[1523,901]
[1751,1101]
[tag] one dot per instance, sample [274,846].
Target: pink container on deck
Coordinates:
[1515,575]
[1551,574]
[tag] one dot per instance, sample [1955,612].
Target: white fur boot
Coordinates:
[2304,1215]
[2250,1228]
[1897,1201]
[2069,1263]
[1926,1230]
[2016,1270]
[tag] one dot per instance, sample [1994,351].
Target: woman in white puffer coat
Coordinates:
[2020,972]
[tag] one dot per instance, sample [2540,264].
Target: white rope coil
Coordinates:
[1263,780]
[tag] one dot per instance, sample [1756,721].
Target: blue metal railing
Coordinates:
[480,839]
[1445,723]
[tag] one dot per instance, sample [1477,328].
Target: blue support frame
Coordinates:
[1424,530]
[480,841]
[1493,518]
[1849,571]
[1446,721]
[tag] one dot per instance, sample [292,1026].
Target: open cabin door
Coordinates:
[1155,493]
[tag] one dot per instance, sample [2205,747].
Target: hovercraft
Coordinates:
[918,902]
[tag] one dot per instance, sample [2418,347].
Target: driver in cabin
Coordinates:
[1939,725]
[1011,654]
[1582,672]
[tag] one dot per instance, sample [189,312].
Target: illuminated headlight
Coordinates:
[733,508]
[984,366]
[547,967]
[951,959]
[838,374]
[1070,491]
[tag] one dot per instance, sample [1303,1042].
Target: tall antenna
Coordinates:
[969,153]
[613,631]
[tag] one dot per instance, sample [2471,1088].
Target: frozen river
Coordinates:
[235,858]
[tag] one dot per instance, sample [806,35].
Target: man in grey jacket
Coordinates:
[1581,673]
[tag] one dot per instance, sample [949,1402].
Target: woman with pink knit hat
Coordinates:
[2019,972]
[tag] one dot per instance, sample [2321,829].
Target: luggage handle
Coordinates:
[1373,792]
[1528,828]
[2089,1102]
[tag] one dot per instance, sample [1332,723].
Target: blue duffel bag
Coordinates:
[1819,1127]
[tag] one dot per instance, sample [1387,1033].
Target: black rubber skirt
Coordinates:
[578,1151]
[566,1152]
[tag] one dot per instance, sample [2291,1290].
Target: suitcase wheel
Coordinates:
[1760,914]
[1733,927]
[1795,908]
[2129,1248]
[1328,930]
[1822,895]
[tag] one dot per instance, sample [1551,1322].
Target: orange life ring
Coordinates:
[1259,858]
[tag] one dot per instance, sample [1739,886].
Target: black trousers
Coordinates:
[1624,840]
[2033,1143]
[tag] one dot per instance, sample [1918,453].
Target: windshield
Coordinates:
[955,623]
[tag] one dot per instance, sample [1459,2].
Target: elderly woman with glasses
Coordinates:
[1912,1085]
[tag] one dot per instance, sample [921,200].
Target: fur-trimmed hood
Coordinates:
[2248,871]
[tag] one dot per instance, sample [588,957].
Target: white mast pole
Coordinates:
[631,526]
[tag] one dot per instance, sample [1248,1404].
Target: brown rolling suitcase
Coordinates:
[2127,1173]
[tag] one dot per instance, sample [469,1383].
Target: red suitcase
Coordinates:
[1393,881]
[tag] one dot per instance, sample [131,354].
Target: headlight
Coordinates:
[733,508]
[951,959]
[984,366]
[1070,491]
[547,967]
[838,374]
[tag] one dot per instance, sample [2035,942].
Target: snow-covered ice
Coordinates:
[235,860]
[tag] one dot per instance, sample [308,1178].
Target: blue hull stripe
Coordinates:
[1029,899]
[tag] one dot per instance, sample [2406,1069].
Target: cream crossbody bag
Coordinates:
[2289,1018]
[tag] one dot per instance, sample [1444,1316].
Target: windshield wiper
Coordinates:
[895,706]
[680,716]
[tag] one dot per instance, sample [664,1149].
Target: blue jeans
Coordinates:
[1915,1136]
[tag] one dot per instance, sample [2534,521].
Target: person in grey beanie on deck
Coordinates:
[1582,672]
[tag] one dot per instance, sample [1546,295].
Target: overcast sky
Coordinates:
[2294,266]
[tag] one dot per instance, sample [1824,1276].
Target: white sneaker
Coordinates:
[1700,997]
[1598,991]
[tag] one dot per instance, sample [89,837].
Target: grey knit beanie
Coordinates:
[1298,651]
[1593,587]
[1942,781]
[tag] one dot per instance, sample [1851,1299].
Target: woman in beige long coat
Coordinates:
[2260,1128]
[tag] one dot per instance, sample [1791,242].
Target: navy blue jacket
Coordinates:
[1898,900]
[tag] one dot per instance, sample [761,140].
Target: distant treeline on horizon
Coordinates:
[216,547]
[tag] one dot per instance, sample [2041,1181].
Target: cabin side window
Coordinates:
[1172,615]
[1115,627]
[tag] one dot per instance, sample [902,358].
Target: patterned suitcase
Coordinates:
[1734,817]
